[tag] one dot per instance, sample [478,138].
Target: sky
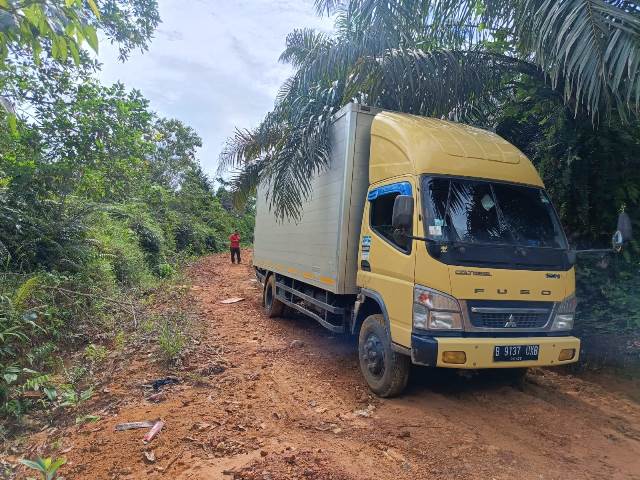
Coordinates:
[213,64]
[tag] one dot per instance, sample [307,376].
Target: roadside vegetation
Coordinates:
[560,80]
[101,202]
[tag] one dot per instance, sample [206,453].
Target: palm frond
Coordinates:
[244,181]
[304,152]
[441,83]
[328,7]
[302,45]
[590,46]
[444,58]
[246,145]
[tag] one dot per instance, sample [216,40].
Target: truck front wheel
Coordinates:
[385,371]
[272,306]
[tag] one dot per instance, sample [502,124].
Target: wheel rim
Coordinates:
[374,355]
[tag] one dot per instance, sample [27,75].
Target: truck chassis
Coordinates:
[328,309]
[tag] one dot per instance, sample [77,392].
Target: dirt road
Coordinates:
[285,409]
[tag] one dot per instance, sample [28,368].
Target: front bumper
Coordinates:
[479,351]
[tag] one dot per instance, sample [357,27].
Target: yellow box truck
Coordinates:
[434,242]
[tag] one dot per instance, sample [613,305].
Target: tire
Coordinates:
[515,376]
[385,371]
[272,306]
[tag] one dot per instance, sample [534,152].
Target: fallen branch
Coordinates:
[90,295]
[173,460]
[66,291]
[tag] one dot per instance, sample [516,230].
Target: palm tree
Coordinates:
[457,59]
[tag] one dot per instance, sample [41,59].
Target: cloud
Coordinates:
[214,64]
[250,59]
[171,35]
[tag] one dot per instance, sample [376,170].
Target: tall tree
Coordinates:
[61,27]
[450,58]
[53,33]
[175,155]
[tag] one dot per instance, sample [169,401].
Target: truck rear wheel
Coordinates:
[385,371]
[272,306]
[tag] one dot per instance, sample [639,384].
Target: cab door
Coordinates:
[387,267]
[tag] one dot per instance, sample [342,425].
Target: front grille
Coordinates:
[507,315]
[510,320]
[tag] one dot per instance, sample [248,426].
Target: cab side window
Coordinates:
[380,218]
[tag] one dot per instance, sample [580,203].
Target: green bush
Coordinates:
[165,270]
[150,239]
[609,304]
[95,354]
[99,200]
[120,245]
[171,338]
[196,238]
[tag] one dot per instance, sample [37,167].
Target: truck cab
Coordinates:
[463,254]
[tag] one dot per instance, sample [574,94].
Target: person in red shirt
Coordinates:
[234,242]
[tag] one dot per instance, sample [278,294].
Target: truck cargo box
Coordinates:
[321,248]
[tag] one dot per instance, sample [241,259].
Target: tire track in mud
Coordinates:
[445,427]
[281,411]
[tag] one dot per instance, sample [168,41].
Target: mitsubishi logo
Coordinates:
[511,323]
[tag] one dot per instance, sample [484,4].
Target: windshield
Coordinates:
[482,212]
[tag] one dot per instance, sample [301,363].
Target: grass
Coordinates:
[172,338]
[66,380]
[96,354]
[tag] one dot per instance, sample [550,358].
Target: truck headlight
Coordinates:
[565,314]
[435,311]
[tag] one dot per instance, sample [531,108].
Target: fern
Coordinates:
[11,329]
[41,353]
[25,292]
[4,253]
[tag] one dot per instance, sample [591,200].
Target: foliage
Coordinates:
[171,339]
[71,397]
[590,173]
[62,28]
[457,59]
[609,303]
[46,466]
[95,354]
[587,48]
[100,198]
[15,382]
[119,341]
[87,419]
[175,153]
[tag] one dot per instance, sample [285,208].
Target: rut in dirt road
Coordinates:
[275,408]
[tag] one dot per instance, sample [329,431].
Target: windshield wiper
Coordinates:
[503,221]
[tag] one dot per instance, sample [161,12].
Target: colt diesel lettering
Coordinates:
[433,242]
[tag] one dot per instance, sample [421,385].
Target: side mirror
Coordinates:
[402,218]
[624,232]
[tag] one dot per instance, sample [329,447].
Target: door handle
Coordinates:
[365,265]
